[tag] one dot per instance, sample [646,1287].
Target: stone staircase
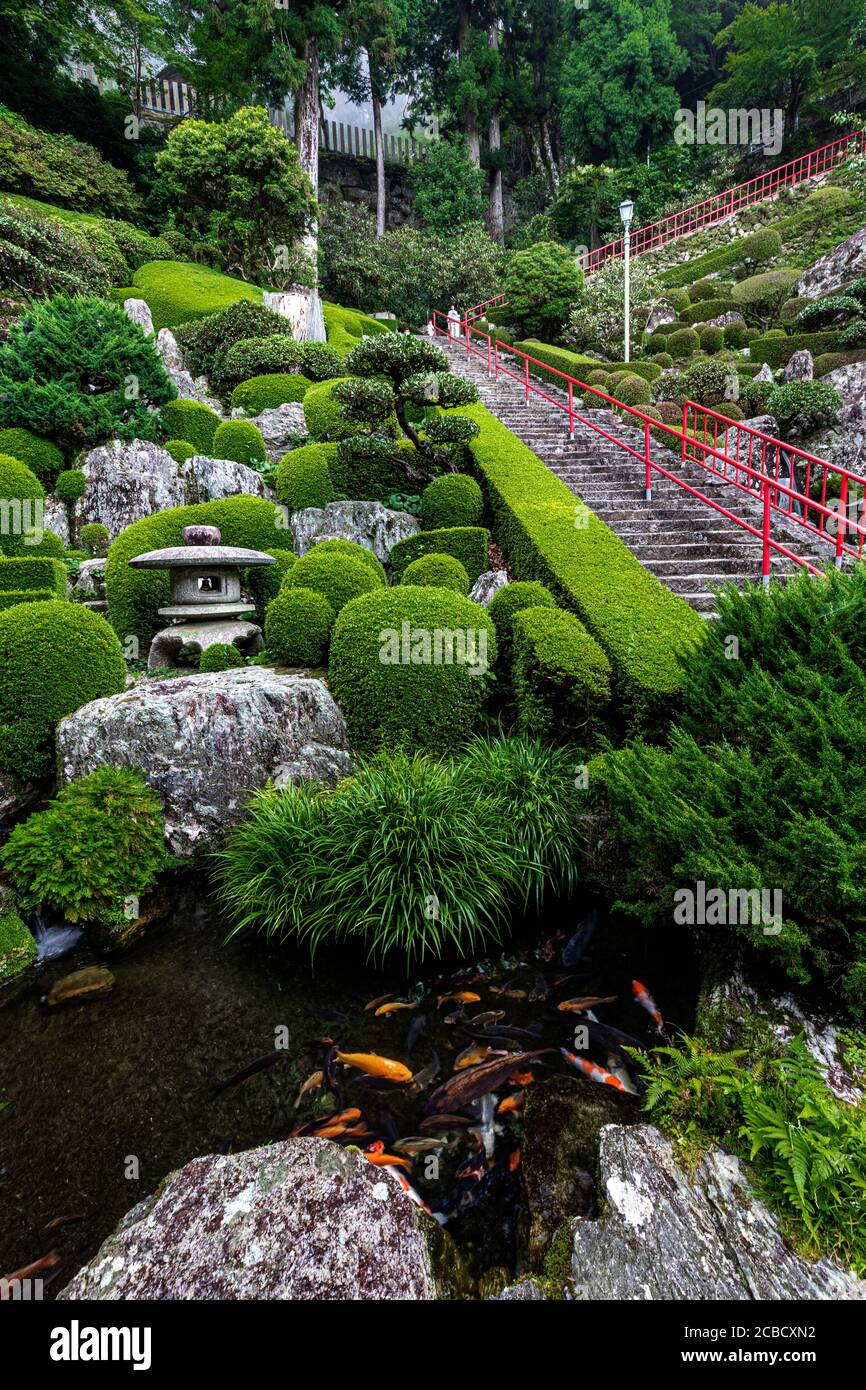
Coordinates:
[689,547]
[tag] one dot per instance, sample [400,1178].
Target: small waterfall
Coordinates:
[52,941]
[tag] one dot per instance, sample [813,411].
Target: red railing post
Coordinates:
[496,359]
[843,518]
[765,564]
[489,359]
[571,410]
[526,365]
[649,479]
[685,425]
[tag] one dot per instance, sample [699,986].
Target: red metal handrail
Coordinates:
[723,205]
[773,483]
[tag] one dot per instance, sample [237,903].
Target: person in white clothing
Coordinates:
[453,322]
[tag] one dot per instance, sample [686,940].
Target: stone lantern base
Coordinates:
[166,645]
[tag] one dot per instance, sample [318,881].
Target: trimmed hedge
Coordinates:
[304,477]
[41,456]
[641,625]
[561,675]
[54,657]
[829,361]
[135,595]
[455,499]
[269,390]
[468,544]
[757,248]
[339,577]
[508,601]
[241,441]
[9,598]
[33,572]
[19,485]
[778,350]
[178,291]
[192,422]
[440,571]
[707,309]
[323,416]
[391,674]
[577,365]
[298,624]
[346,327]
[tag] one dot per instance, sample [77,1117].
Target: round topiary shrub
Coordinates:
[708,289]
[670,413]
[95,538]
[324,416]
[662,359]
[70,485]
[356,551]
[50,544]
[407,667]
[511,599]
[801,407]
[220,656]
[192,421]
[241,441]
[54,657]
[709,383]
[263,582]
[831,311]
[598,378]
[298,625]
[269,391]
[320,362]
[762,296]
[304,477]
[251,357]
[712,337]
[453,500]
[683,343]
[441,571]
[180,449]
[24,495]
[339,577]
[41,456]
[737,335]
[629,389]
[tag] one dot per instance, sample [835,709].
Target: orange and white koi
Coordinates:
[592,1070]
[375,1156]
[373,1065]
[413,1195]
[643,997]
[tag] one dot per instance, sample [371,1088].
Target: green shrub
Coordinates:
[702,290]
[65,371]
[251,357]
[630,390]
[707,309]
[737,335]
[339,577]
[304,477]
[396,692]
[50,544]
[220,656]
[574,364]
[98,843]
[177,292]
[778,349]
[801,407]
[709,383]
[180,449]
[207,342]
[431,857]
[356,552]
[441,571]
[192,422]
[543,285]
[854,335]
[41,456]
[755,395]
[711,337]
[320,361]
[791,308]
[241,441]
[95,537]
[70,485]
[345,327]
[33,572]
[831,311]
[597,378]
[323,416]
[762,296]
[10,598]
[468,544]
[683,342]
[759,248]
[268,391]
[452,500]
[42,256]
[641,625]
[60,169]
[298,625]
[17,946]
[508,601]
[54,657]
[263,582]
[135,595]
[19,485]
[828,361]
[561,675]
[371,466]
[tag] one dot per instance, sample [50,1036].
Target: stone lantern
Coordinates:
[206,604]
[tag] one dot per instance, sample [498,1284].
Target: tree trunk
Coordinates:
[495,217]
[553,168]
[470,115]
[307,132]
[380,163]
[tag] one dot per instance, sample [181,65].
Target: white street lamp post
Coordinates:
[626,212]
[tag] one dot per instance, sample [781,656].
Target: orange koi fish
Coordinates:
[643,997]
[373,1065]
[512,1105]
[580,1006]
[590,1069]
[385,1009]
[462,996]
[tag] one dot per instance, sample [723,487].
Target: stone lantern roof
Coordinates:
[205,575]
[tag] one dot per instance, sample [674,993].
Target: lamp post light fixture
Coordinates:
[626,212]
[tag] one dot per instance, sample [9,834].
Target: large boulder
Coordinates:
[845,262]
[668,1235]
[800,366]
[487,585]
[206,742]
[187,388]
[138,311]
[210,480]
[280,427]
[370,524]
[299,1220]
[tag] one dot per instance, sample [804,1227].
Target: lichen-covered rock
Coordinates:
[279,427]
[209,480]
[669,1236]
[125,482]
[527,1291]
[187,388]
[486,585]
[301,1220]
[800,366]
[765,424]
[845,262]
[765,374]
[370,524]
[139,312]
[206,742]
[90,580]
